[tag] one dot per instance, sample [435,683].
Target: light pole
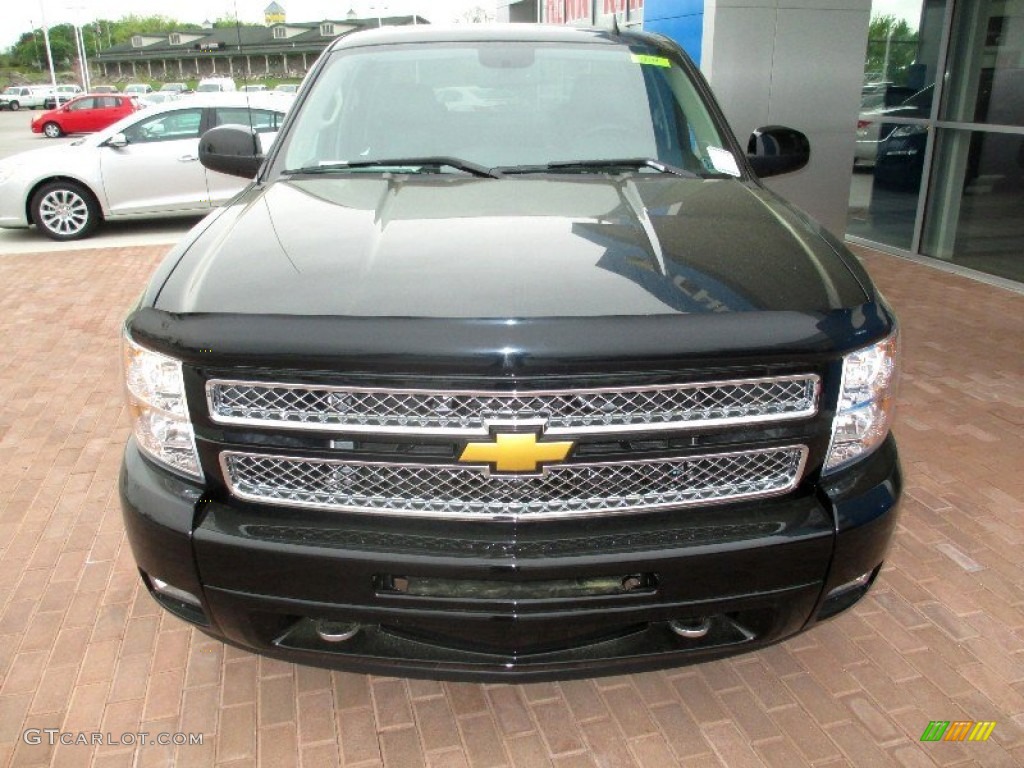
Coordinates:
[49,52]
[378,11]
[78,11]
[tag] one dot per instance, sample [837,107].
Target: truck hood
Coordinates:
[456,247]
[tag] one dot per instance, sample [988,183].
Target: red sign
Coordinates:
[574,11]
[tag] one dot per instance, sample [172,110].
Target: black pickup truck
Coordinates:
[507,367]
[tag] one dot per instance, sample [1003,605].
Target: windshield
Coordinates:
[505,106]
[208,87]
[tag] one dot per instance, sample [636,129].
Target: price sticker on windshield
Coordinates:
[650,61]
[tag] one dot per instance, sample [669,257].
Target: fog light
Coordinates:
[846,594]
[861,581]
[167,590]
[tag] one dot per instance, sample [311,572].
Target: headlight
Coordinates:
[156,396]
[908,130]
[866,401]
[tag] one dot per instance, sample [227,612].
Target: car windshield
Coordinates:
[208,87]
[515,107]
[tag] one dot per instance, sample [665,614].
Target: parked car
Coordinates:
[138,89]
[143,166]
[254,88]
[290,88]
[872,128]
[158,97]
[216,85]
[16,97]
[62,94]
[105,89]
[174,88]
[550,390]
[84,114]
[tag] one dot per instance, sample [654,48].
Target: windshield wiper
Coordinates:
[603,165]
[403,163]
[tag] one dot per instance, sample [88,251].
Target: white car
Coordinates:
[143,166]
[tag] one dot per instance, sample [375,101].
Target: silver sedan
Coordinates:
[144,166]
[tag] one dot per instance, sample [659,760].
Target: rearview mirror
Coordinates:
[231,149]
[775,149]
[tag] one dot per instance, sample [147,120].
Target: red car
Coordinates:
[84,114]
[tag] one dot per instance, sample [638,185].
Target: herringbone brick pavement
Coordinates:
[84,649]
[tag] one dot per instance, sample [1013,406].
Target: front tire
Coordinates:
[52,131]
[15,106]
[64,210]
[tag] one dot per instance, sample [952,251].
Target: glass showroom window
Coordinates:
[900,68]
[977,192]
[939,164]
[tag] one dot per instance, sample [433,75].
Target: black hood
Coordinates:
[453,247]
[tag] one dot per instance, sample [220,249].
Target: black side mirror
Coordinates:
[231,149]
[775,149]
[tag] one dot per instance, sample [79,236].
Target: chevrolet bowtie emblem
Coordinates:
[515,452]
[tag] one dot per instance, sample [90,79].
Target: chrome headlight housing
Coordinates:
[160,420]
[867,397]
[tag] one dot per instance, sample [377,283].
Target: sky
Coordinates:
[23,16]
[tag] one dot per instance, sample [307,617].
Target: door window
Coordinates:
[261,120]
[167,126]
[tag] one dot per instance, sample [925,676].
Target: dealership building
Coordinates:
[916,127]
[278,48]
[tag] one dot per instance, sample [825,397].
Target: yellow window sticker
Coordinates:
[651,61]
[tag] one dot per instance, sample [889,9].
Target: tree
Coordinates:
[30,51]
[892,49]
[476,15]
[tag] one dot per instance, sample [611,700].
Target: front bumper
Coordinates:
[484,601]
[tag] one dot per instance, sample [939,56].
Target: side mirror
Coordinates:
[775,149]
[231,149]
[117,140]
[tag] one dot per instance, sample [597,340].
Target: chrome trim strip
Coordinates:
[600,429]
[599,512]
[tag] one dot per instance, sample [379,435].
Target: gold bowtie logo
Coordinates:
[515,452]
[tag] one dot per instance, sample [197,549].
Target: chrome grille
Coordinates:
[464,413]
[469,492]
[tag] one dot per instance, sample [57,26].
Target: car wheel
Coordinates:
[52,130]
[63,210]
[15,106]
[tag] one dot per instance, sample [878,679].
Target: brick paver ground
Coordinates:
[84,648]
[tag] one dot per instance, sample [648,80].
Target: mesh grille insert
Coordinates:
[461,413]
[469,492]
